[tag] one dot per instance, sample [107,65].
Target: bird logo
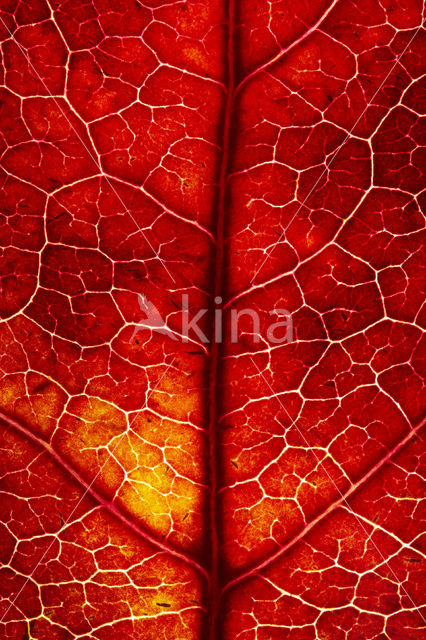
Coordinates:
[153,319]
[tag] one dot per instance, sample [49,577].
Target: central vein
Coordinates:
[214,594]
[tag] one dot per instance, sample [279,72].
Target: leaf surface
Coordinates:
[244,157]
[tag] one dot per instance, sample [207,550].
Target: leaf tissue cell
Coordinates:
[212,358]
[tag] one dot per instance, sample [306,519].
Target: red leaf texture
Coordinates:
[239,155]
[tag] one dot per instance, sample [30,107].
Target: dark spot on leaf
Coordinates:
[41,386]
[60,215]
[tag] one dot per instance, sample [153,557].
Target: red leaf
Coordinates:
[170,162]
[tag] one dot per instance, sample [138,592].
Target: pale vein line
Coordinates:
[291,46]
[88,151]
[88,490]
[343,498]
[334,155]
